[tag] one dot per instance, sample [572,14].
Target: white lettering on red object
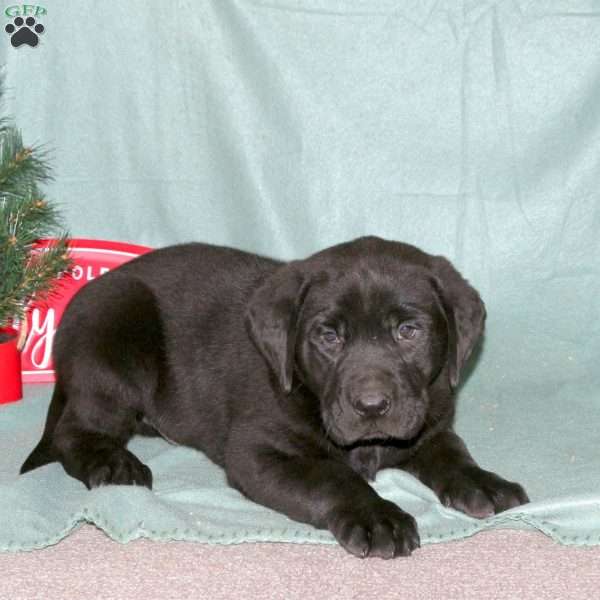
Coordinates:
[43,334]
[88,273]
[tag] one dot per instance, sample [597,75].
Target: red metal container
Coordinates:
[91,259]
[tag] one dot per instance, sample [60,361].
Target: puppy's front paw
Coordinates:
[479,493]
[377,529]
[119,467]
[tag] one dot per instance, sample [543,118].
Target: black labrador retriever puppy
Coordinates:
[301,380]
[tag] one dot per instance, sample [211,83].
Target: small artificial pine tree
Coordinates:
[26,274]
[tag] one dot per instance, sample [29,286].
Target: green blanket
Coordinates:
[471,129]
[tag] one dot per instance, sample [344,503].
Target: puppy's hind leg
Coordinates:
[91,444]
[111,385]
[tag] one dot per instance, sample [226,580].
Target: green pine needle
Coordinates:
[26,217]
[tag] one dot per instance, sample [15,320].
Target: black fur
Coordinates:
[301,380]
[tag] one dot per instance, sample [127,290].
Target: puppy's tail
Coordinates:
[43,454]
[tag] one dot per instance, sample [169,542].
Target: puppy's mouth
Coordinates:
[375,434]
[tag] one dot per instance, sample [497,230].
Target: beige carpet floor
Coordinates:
[500,564]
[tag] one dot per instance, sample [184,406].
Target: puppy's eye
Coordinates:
[330,337]
[406,332]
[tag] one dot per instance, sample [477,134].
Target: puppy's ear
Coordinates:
[465,315]
[271,319]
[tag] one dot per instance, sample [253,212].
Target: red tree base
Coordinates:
[10,367]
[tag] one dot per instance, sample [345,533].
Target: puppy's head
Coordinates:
[367,326]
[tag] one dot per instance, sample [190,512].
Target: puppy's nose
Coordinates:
[372,404]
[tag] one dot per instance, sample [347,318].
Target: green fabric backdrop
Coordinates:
[471,129]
